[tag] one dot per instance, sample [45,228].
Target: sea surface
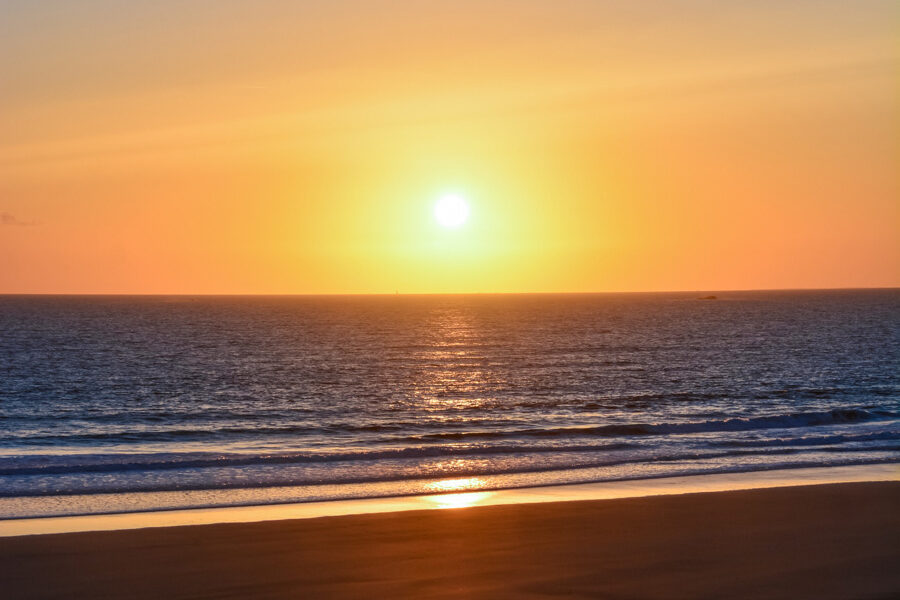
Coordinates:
[140,403]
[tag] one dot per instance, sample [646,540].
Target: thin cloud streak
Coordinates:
[349,118]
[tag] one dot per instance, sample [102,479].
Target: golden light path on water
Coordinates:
[454,373]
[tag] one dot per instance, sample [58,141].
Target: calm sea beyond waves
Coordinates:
[203,401]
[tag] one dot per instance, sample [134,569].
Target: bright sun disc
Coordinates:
[451,210]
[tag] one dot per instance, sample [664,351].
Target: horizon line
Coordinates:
[419,294]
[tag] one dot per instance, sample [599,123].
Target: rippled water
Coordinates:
[348,396]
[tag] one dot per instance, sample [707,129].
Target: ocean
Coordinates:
[117,403]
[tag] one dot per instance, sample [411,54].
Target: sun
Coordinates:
[451,210]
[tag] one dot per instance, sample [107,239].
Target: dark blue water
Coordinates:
[331,394]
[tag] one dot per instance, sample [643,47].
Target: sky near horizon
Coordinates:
[299,147]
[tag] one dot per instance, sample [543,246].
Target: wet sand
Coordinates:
[823,541]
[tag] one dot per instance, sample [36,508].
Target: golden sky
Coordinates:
[214,146]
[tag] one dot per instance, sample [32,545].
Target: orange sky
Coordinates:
[298,147]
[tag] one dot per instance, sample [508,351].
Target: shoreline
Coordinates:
[803,541]
[719,482]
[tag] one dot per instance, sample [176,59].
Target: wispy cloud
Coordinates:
[8,219]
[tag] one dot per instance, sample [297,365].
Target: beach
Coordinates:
[820,541]
[367,299]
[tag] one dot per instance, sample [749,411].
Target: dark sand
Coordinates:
[825,541]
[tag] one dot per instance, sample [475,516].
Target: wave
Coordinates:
[110,463]
[785,421]
[128,433]
[781,421]
[811,440]
[667,465]
[486,443]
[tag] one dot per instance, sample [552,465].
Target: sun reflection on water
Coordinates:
[449,500]
[454,370]
[454,376]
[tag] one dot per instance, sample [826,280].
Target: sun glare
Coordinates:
[451,211]
[468,498]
